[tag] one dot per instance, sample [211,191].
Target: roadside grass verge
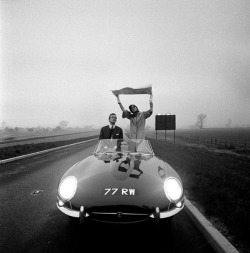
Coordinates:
[18,150]
[218,183]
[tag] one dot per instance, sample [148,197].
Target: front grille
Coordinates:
[119,217]
[119,214]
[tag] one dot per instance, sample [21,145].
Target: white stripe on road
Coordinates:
[42,152]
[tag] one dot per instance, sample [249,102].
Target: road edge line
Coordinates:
[217,241]
[42,152]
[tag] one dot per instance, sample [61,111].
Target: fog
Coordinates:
[60,59]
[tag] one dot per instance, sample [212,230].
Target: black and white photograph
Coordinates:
[125,126]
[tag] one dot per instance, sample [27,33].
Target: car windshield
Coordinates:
[141,146]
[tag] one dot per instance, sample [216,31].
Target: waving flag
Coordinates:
[131,91]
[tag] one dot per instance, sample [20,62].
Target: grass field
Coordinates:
[17,139]
[234,139]
[27,147]
[217,183]
[227,134]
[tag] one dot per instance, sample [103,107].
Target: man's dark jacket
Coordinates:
[106,131]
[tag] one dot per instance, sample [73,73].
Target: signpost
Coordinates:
[165,122]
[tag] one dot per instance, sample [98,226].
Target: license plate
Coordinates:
[121,191]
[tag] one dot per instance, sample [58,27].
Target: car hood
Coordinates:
[118,179]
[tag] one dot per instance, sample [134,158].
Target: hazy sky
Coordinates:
[60,59]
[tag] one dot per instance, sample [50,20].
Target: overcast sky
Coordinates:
[60,59]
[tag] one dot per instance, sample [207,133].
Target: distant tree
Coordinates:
[30,129]
[9,130]
[229,122]
[63,124]
[4,124]
[201,119]
[57,129]
[46,130]
[17,129]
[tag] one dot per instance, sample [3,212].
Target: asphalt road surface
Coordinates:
[32,223]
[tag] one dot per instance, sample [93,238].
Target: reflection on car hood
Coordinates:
[102,180]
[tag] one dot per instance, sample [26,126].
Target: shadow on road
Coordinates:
[61,234]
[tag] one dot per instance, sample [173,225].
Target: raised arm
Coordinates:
[119,103]
[151,103]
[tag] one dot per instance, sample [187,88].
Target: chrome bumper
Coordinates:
[69,212]
[162,215]
[167,214]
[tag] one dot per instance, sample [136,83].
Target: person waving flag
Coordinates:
[137,118]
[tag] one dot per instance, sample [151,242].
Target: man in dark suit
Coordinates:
[111,131]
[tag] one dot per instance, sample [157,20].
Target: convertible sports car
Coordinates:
[121,182]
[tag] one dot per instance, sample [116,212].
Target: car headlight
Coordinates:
[173,189]
[67,188]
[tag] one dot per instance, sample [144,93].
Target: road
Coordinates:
[32,223]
